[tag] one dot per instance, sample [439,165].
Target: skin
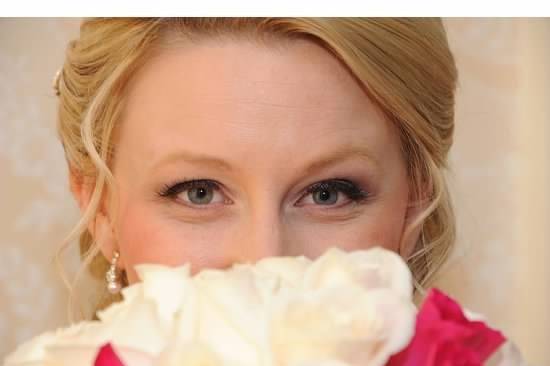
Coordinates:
[265,122]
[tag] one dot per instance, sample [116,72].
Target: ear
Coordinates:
[81,188]
[104,235]
[409,237]
[100,226]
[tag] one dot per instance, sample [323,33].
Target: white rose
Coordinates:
[345,324]
[122,323]
[353,308]
[35,351]
[188,354]
[341,309]
[233,318]
[288,270]
[370,269]
[78,355]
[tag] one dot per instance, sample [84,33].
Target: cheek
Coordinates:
[149,232]
[146,234]
[381,224]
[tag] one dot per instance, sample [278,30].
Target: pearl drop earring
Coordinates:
[113,283]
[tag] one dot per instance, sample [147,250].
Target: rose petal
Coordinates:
[312,326]
[445,336]
[232,315]
[290,270]
[369,269]
[107,357]
[188,354]
[165,286]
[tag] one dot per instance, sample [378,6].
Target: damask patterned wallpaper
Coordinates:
[500,173]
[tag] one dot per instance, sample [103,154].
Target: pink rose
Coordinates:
[107,357]
[445,337]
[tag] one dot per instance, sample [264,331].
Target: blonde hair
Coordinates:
[405,65]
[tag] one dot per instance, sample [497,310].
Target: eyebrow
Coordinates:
[194,158]
[345,152]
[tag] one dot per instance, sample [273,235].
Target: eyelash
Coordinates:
[346,186]
[350,189]
[172,190]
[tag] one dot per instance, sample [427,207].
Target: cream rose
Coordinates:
[344,308]
[350,309]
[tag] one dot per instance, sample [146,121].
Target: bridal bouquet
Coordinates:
[344,308]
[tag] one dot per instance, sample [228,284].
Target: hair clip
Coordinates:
[56,82]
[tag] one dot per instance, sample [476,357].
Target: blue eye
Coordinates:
[328,192]
[325,197]
[203,192]
[200,196]
[198,192]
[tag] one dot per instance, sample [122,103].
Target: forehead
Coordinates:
[237,98]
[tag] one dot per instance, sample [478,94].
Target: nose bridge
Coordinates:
[263,234]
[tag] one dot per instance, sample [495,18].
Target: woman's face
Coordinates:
[232,151]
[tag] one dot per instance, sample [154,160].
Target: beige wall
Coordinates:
[35,209]
[500,178]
